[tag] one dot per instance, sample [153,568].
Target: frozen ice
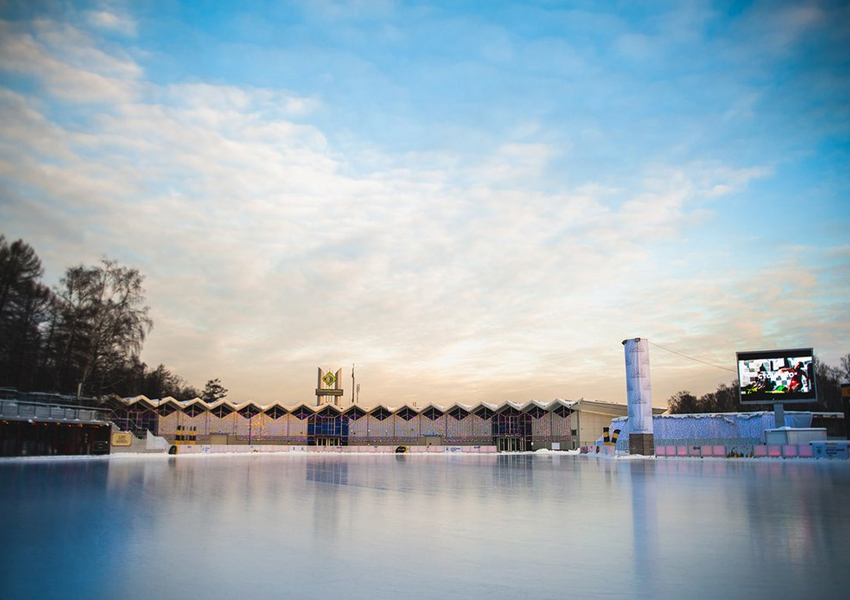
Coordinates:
[543,525]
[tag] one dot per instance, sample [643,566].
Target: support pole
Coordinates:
[778,415]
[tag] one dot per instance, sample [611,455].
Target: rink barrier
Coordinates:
[280,448]
[758,451]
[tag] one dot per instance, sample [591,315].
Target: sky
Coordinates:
[471,201]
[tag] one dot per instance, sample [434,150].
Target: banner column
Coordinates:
[639,391]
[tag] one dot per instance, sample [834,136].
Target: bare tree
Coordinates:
[102,322]
[86,336]
[161,382]
[683,402]
[845,367]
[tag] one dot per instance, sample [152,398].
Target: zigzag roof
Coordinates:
[251,406]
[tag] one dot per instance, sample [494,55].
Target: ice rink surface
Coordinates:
[399,526]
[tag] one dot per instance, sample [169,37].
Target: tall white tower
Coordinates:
[639,393]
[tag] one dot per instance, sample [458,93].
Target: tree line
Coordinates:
[82,337]
[726,398]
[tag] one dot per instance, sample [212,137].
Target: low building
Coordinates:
[37,429]
[509,426]
[592,416]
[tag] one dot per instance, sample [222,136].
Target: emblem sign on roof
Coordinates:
[327,387]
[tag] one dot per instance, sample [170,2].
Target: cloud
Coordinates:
[635,46]
[110,21]
[351,9]
[272,243]
[516,161]
[259,246]
[67,63]
[224,98]
[25,127]
[782,28]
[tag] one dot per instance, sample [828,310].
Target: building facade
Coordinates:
[509,426]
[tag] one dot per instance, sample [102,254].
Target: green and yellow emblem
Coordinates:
[329,379]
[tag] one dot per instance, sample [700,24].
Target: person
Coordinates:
[762,383]
[799,374]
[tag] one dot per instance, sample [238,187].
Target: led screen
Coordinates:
[772,376]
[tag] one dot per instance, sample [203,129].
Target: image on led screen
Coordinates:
[777,376]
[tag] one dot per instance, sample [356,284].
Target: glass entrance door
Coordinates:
[511,444]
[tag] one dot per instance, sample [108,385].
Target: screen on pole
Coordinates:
[772,376]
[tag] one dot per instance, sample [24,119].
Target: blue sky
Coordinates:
[469,200]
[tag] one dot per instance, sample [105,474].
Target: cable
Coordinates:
[692,358]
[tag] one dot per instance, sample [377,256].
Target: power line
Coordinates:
[692,358]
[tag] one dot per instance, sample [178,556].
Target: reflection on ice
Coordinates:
[474,526]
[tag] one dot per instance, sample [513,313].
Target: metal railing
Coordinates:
[20,410]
